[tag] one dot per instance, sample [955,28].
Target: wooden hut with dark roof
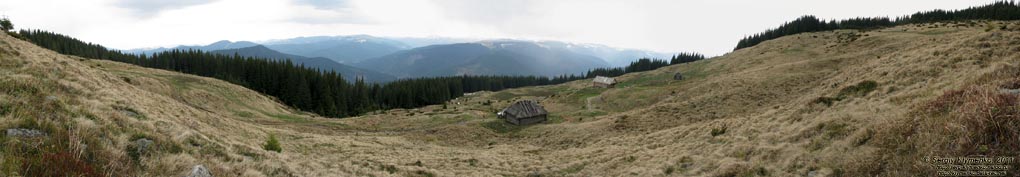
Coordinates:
[677,76]
[525,112]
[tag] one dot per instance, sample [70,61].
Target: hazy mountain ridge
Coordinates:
[351,49]
[495,57]
[616,57]
[349,73]
[218,45]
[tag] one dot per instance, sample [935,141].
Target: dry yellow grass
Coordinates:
[751,112]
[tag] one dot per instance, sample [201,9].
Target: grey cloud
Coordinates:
[332,20]
[148,8]
[345,13]
[486,12]
[325,4]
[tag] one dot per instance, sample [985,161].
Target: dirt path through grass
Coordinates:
[588,102]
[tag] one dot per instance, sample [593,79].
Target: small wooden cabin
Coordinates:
[603,82]
[524,112]
[677,76]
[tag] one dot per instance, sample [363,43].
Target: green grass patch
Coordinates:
[593,113]
[439,120]
[185,82]
[182,82]
[579,97]
[647,80]
[696,69]
[505,95]
[937,32]
[500,126]
[289,118]
[588,92]
[540,92]
[554,119]
[244,114]
[633,97]
[5,108]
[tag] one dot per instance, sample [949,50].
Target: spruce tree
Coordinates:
[6,25]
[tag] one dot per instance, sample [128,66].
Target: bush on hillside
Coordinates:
[272,144]
[861,89]
[6,25]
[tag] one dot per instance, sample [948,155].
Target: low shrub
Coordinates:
[860,89]
[389,168]
[423,173]
[272,144]
[500,126]
[718,131]
[827,101]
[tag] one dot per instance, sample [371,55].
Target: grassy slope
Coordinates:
[758,101]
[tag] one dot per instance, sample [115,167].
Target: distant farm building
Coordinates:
[603,82]
[677,76]
[525,112]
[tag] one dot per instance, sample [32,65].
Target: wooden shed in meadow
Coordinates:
[677,76]
[524,112]
[603,82]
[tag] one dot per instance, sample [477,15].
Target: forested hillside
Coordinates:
[1002,10]
[645,64]
[349,73]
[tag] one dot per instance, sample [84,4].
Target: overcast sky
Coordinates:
[708,26]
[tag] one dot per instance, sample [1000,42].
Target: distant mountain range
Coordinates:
[342,49]
[348,72]
[616,57]
[415,42]
[435,56]
[219,45]
[497,57]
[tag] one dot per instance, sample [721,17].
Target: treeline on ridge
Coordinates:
[323,92]
[645,64]
[1001,10]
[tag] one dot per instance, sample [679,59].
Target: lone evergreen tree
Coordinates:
[6,25]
